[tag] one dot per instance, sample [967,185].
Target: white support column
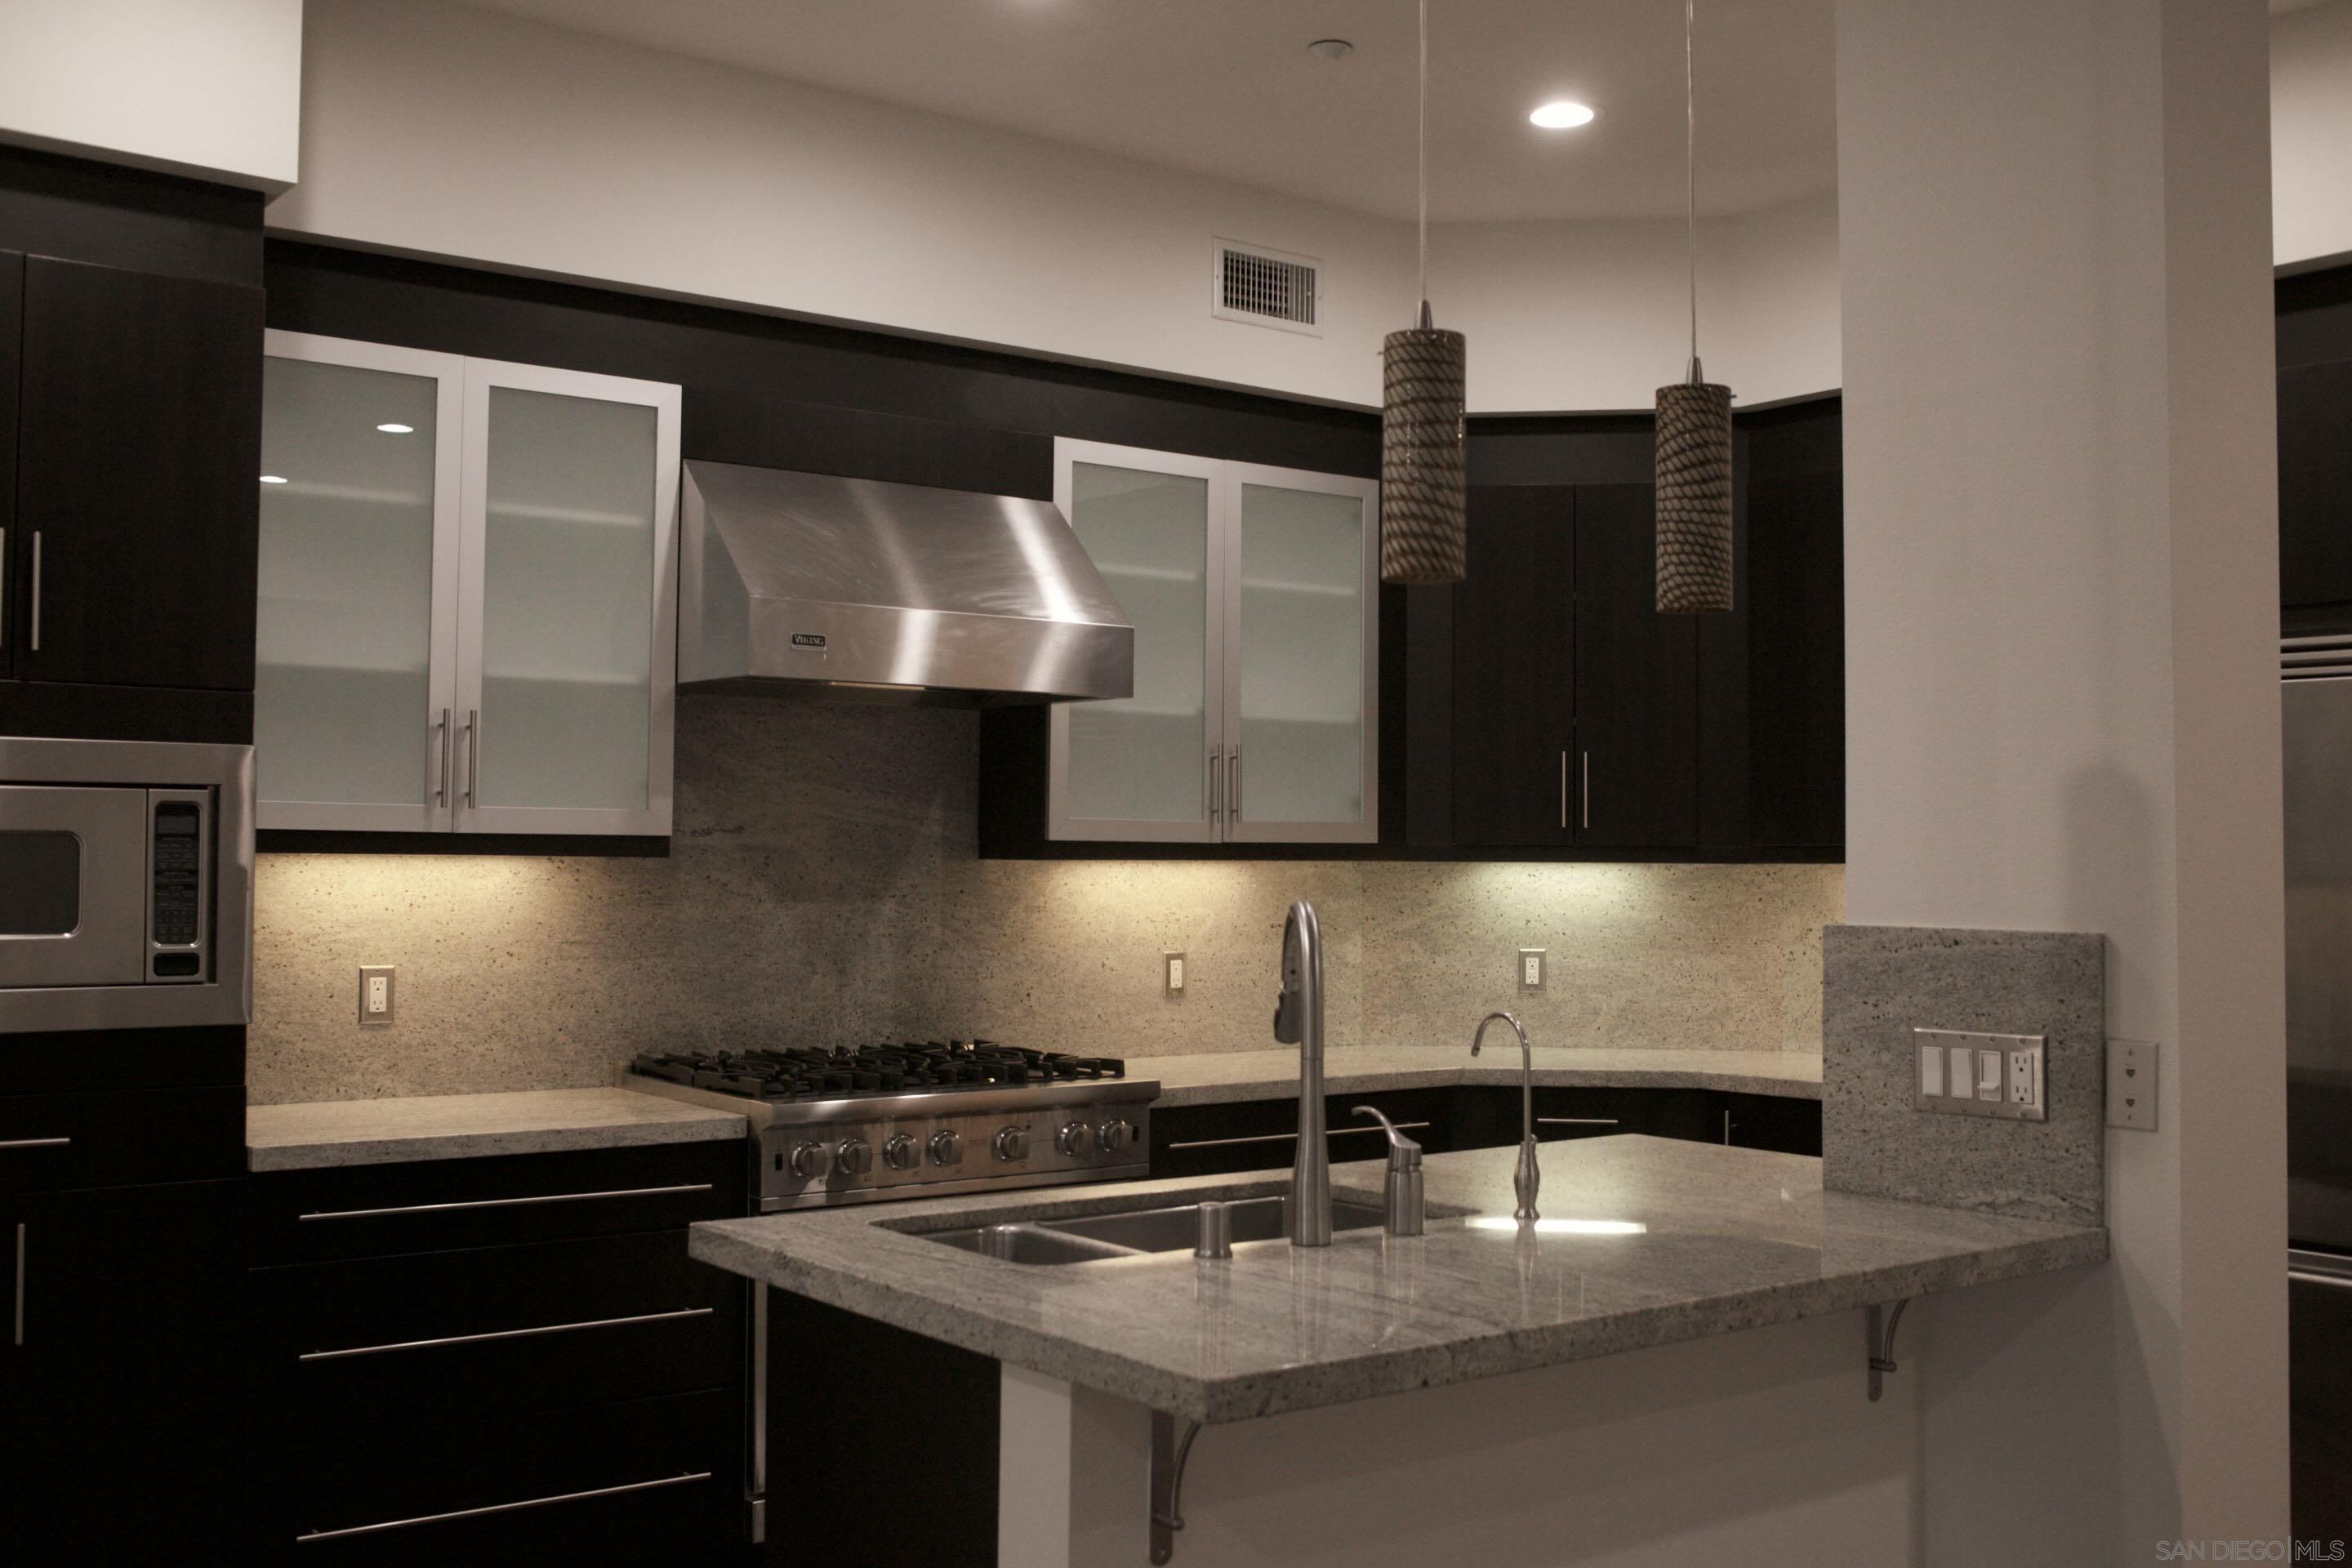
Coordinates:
[2062,712]
[1073,1475]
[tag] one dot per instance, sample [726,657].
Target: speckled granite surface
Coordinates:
[1218,1076]
[1879,982]
[1735,1238]
[459,1126]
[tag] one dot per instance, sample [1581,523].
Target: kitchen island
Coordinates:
[1654,1261]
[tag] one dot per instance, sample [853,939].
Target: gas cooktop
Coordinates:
[848,1072]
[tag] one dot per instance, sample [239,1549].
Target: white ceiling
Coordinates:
[1226,88]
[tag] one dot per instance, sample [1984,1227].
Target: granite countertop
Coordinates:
[1734,1238]
[457,1126]
[1212,1078]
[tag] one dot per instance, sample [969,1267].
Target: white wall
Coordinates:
[441,131]
[2062,706]
[2311,133]
[1595,315]
[208,87]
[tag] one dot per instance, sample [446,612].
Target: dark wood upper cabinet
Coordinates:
[1514,687]
[1796,686]
[139,448]
[2315,428]
[1636,755]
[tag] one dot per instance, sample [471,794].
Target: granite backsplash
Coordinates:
[822,886]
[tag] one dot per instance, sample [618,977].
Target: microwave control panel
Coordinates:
[176,884]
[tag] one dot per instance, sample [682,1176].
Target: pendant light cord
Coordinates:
[1422,173]
[1690,177]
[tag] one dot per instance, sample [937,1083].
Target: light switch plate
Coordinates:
[1531,969]
[2131,1085]
[1171,970]
[375,994]
[1998,1075]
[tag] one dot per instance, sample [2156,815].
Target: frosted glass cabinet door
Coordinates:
[567,629]
[354,669]
[1137,768]
[1301,656]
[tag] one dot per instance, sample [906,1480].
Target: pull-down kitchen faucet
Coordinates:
[1524,1179]
[1298,1020]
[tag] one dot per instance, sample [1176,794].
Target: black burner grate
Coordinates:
[843,1072]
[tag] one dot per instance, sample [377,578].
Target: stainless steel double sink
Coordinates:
[1137,1233]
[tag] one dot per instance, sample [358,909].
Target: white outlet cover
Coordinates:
[1531,969]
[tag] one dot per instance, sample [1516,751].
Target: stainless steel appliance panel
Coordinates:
[73,872]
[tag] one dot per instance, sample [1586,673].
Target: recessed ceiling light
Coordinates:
[273,479]
[1330,48]
[397,430]
[1563,114]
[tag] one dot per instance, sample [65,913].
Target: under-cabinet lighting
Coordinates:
[397,430]
[273,479]
[1563,1226]
[1564,114]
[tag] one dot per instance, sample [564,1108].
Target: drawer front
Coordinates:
[652,1480]
[1263,1134]
[376,1210]
[491,1331]
[1782,1124]
[54,1143]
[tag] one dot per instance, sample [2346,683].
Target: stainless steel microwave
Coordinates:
[126,884]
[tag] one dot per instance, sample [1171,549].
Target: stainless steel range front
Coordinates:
[899,1122]
[876,1122]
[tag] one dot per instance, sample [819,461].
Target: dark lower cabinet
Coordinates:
[2314,434]
[121,1380]
[506,1359]
[1262,1134]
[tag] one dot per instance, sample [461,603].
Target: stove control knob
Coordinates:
[947,1148]
[1013,1143]
[1074,1138]
[811,1161]
[855,1157]
[902,1152]
[1113,1135]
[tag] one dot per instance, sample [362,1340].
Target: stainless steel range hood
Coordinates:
[806,584]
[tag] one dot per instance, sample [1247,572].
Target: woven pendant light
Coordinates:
[1425,473]
[1694,435]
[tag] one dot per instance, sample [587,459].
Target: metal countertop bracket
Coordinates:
[1881,1347]
[1170,1449]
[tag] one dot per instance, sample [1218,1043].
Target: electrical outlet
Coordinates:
[2131,1085]
[375,994]
[1531,969]
[1172,971]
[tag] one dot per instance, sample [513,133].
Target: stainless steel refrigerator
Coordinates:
[2316,694]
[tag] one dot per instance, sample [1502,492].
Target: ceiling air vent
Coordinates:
[1265,287]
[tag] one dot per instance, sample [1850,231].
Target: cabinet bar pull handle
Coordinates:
[1234,784]
[34,1143]
[1726,1127]
[1563,789]
[507,1334]
[473,754]
[4,586]
[442,797]
[20,1282]
[501,1507]
[505,1203]
[37,590]
[1584,785]
[1285,1137]
[1216,783]
[1575,1122]
[2300,1275]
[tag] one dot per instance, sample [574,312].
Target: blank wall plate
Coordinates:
[1960,1073]
[2131,1085]
[1531,969]
[375,994]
